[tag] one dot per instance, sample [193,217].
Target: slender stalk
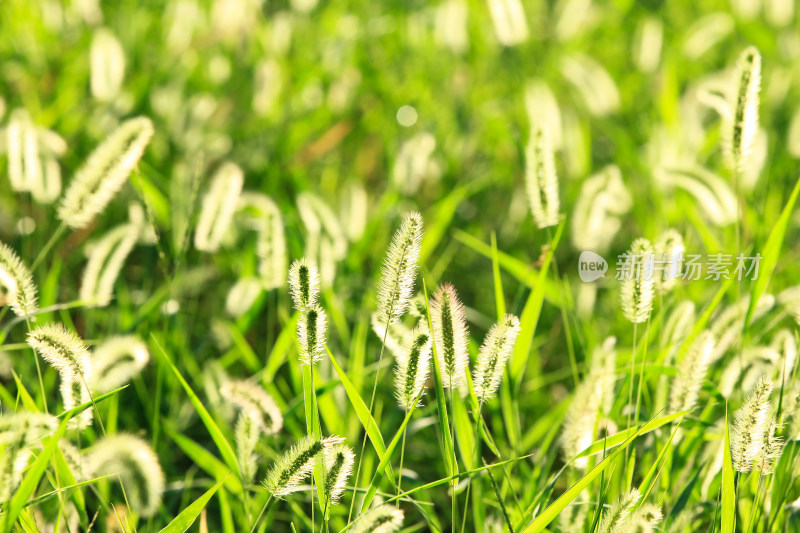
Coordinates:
[50,243]
[402,456]
[364,440]
[260,514]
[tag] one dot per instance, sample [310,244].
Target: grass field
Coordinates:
[300,266]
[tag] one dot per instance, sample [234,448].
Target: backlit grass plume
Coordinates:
[450,334]
[247,433]
[292,467]
[382,519]
[617,518]
[106,260]
[339,461]
[132,461]
[413,367]
[104,173]
[218,207]
[750,426]
[304,284]
[399,271]
[264,216]
[772,450]
[116,361]
[740,124]
[107,65]
[669,250]
[312,333]
[16,283]
[692,373]
[251,397]
[541,180]
[638,284]
[493,355]
[19,432]
[395,336]
[63,349]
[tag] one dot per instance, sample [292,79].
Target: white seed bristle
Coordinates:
[750,425]
[396,285]
[16,283]
[218,207]
[639,286]
[541,180]
[450,335]
[493,355]
[304,284]
[413,367]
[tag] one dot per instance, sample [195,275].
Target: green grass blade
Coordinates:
[649,480]
[373,432]
[770,253]
[216,434]
[552,511]
[728,488]
[205,460]
[618,438]
[186,518]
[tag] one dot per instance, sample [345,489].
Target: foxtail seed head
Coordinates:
[750,425]
[619,515]
[248,430]
[63,349]
[104,173]
[137,466]
[304,284]
[251,397]
[116,361]
[493,355]
[339,461]
[219,206]
[670,250]
[741,124]
[413,367]
[16,283]
[692,373]
[540,178]
[773,448]
[312,332]
[382,519]
[291,468]
[638,286]
[105,263]
[396,285]
[450,335]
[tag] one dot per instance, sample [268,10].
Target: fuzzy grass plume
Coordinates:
[106,260]
[304,284]
[133,462]
[396,285]
[494,353]
[16,283]
[116,361]
[292,467]
[104,173]
[638,284]
[312,333]
[750,425]
[741,122]
[541,180]
[450,335]
[381,519]
[64,350]
[339,461]
[218,207]
[692,373]
[251,397]
[619,515]
[413,367]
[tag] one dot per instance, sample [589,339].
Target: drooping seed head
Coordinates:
[263,216]
[107,65]
[292,467]
[218,207]
[24,427]
[750,426]
[339,461]
[669,250]
[413,367]
[772,450]
[638,286]
[312,333]
[618,516]
[247,430]
[104,173]
[251,397]
[64,350]
[450,334]
[647,518]
[137,467]
[399,271]
[16,283]
[304,284]
[493,355]
[382,519]
[692,373]
[541,180]
[741,123]
[106,260]
[116,361]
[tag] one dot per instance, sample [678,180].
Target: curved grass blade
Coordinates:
[728,487]
[186,518]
